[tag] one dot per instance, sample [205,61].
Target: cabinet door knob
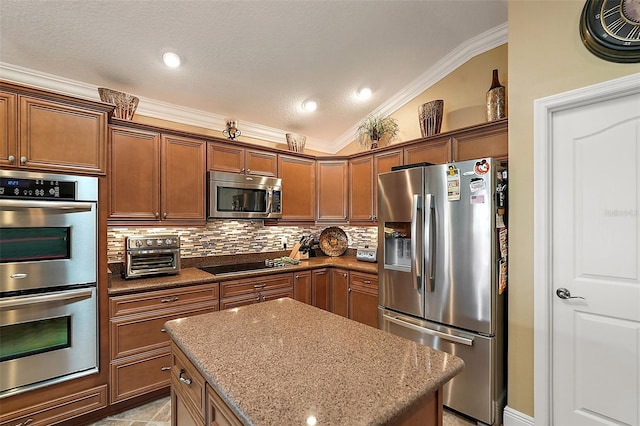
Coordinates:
[349,290]
[297,277]
[23,160]
[242,170]
[164,215]
[11,159]
[157,215]
[248,171]
[344,275]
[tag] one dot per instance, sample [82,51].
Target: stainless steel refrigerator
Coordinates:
[442,272]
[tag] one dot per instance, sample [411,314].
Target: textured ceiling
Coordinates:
[255,61]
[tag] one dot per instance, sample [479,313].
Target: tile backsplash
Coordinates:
[224,237]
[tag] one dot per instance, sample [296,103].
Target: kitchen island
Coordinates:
[287,363]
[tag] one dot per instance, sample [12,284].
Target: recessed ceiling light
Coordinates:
[171,59]
[309,105]
[364,93]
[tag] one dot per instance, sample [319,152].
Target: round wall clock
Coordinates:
[610,29]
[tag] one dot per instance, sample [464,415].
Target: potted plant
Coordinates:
[375,129]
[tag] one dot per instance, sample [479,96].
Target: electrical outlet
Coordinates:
[283,241]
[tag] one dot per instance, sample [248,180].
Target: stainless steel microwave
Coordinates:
[239,196]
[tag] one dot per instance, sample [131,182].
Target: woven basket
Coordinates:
[125,103]
[296,142]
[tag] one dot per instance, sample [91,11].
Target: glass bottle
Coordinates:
[495,99]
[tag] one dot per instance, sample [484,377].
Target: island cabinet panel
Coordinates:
[140,359]
[156,178]
[60,135]
[437,151]
[321,289]
[58,410]
[363,298]
[332,191]
[302,286]
[188,388]
[298,188]
[8,129]
[363,184]
[255,290]
[235,159]
[218,413]
[340,292]
[491,141]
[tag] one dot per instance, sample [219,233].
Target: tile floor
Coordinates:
[158,413]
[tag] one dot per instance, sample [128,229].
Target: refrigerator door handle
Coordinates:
[428,241]
[416,248]
[449,337]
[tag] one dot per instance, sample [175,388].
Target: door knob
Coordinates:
[564,293]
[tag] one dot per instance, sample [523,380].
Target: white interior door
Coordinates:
[595,263]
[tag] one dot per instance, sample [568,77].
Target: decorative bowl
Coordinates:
[125,103]
[333,241]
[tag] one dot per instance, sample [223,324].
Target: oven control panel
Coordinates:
[25,188]
[147,242]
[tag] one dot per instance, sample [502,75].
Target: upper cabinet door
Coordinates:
[332,191]
[183,178]
[361,189]
[62,137]
[225,158]
[489,141]
[437,151]
[8,129]
[382,163]
[262,163]
[298,188]
[134,174]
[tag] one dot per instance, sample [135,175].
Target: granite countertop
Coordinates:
[193,275]
[282,361]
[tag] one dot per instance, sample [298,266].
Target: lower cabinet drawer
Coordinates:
[58,410]
[140,333]
[138,375]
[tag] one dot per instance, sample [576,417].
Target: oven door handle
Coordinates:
[55,206]
[20,301]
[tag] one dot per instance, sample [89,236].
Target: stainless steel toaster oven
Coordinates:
[152,255]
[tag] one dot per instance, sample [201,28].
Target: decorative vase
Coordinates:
[430,116]
[125,103]
[374,143]
[296,142]
[495,99]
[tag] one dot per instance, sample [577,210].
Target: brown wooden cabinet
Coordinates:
[340,292]
[58,410]
[321,288]
[363,298]
[302,287]
[491,140]
[218,412]
[235,159]
[156,177]
[363,184]
[246,291]
[332,191]
[52,133]
[188,391]
[298,176]
[139,347]
[435,151]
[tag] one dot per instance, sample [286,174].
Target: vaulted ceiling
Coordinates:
[255,61]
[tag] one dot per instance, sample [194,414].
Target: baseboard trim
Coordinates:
[516,418]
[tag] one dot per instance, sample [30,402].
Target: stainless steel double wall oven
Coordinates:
[48,279]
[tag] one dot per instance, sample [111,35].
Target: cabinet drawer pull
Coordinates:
[367,281]
[257,286]
[258,299]
[163,330]
[26,422]
[165,368]
[297,277]
[170,300]
[185,380]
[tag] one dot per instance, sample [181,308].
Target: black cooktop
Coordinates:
[236,267]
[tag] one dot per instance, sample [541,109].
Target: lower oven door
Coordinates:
[47,338]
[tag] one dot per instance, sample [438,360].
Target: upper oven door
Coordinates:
[47,243]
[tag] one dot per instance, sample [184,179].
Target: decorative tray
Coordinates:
[333,241]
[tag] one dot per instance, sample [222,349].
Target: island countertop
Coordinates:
[282,361]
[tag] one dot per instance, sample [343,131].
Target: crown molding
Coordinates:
[482,43]
[176,113]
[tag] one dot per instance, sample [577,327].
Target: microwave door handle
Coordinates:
[428,241]
[55,206]
[444,336]
[269,202]
[416,249]
[20,301]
